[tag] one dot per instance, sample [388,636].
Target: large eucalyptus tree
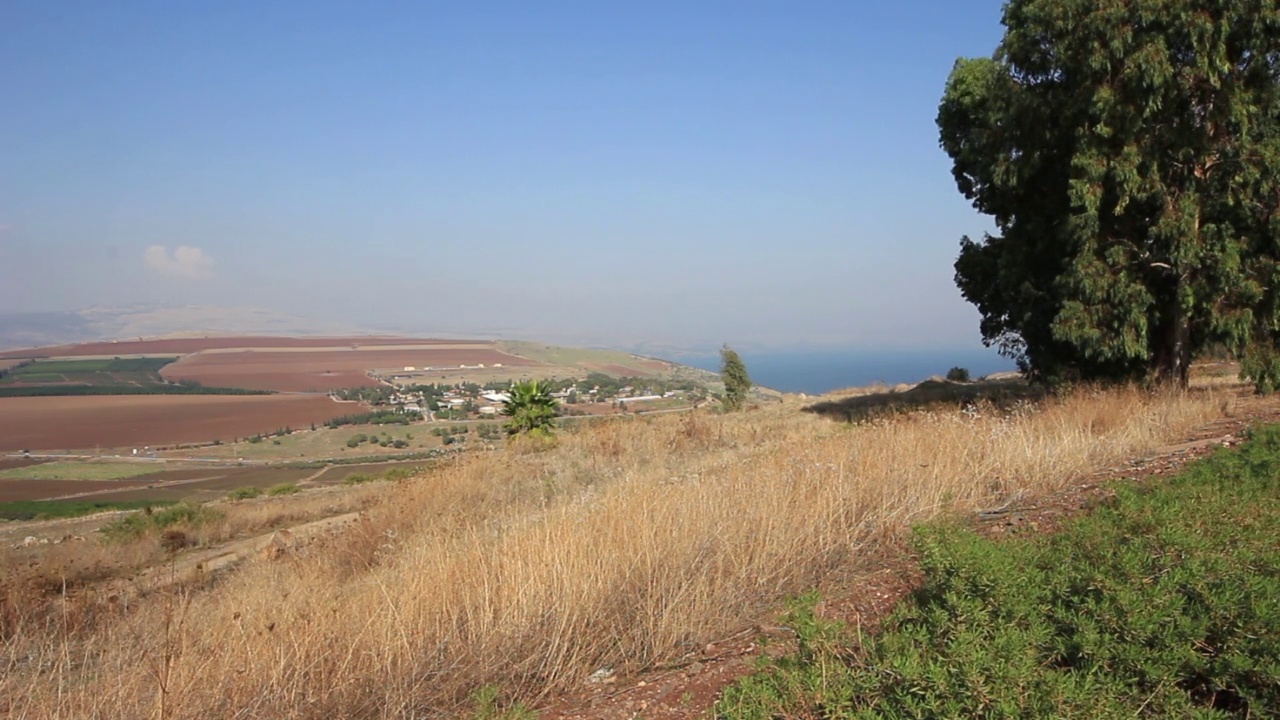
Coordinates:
[1129,154]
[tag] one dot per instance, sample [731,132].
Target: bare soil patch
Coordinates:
[11,490]
[61,423]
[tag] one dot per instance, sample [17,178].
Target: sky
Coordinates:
[681,173]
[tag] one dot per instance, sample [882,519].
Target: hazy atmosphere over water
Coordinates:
[684,174]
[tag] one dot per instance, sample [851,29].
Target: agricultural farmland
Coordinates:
[67,423]
[112,383]
[323,369]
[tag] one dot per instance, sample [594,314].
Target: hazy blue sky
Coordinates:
[676,172]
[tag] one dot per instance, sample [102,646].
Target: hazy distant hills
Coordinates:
[56,328]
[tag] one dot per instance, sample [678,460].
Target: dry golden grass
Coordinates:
[624,545]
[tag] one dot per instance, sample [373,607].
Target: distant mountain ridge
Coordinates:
[22,330]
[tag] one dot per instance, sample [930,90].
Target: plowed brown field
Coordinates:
[70,423]
[322,370]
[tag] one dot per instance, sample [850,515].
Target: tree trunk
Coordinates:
[1173,355]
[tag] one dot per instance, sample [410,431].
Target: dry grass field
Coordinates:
[623,545]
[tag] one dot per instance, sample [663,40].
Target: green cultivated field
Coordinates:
[118,376]
[81,471]
[1164,604]
[54,509]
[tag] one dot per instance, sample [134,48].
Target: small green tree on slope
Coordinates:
[736,381]
[1129,155]
[530,409]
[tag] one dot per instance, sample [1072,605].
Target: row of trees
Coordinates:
[1129,154]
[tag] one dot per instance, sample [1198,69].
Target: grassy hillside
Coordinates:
[623,546]
[1161,605]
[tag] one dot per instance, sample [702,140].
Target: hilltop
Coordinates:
[632,565]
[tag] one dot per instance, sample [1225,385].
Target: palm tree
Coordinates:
[531,409]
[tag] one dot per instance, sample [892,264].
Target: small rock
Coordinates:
[600,676]
[30,540]
[694,669]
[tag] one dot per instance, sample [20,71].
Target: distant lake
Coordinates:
[819,371]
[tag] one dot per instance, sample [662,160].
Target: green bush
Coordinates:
[400,473]
[958,374]
[355,440]
[245,493]
[283,489]
[358,479]
[135,525]
[1161,605]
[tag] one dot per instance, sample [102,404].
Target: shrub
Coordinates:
[245,493]
[531,409]
[283,489]
[400,473]
[358,479]
[958,374]
[174,540]
[135,525]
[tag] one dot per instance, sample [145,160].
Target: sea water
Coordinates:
[820,371]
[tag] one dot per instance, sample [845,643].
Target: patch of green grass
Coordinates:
[64,366]
[284,489]
[135,525]
[72,470]
[245,493]
[358,479]
[488,704]
[1162,604]
[54,509]
[40,377]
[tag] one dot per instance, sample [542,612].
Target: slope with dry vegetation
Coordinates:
[624,546]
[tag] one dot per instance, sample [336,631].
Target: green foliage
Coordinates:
[358,479]
[489,705]
[530,409]
[54,509]
[283,489]
[958,374]
[245,493]
[78,470]
[135,525]
[121,376]
[737,383]
[1129,154]
[379,417]
[1161,605]
[355,440]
